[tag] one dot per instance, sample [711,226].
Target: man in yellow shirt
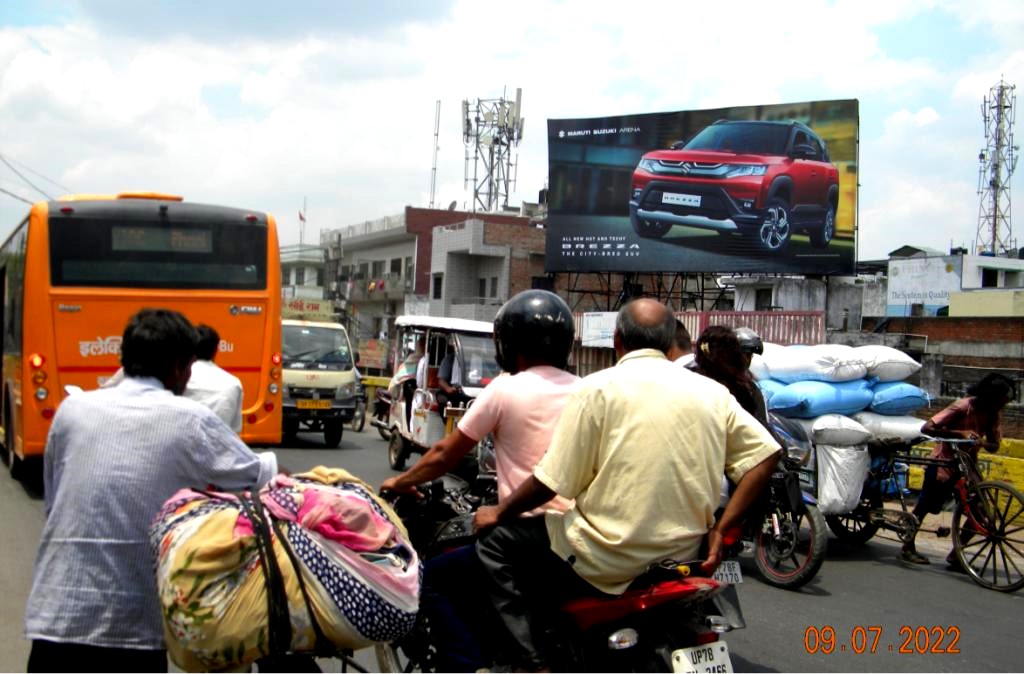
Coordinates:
[642,448]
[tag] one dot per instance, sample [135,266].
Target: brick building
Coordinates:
[426,261]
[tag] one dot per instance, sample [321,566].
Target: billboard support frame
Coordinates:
[610,296]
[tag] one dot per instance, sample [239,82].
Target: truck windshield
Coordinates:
[315,348]
[742,138]
[479,364]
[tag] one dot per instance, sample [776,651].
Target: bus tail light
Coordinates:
[38,377]
[251,218]
[275,373]
[273,389]
[269,407]
[48,413]
[276,359]
[36,361]
[41,393]
[67,210]
[251,419]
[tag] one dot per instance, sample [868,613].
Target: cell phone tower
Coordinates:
[491,131]
[998,160]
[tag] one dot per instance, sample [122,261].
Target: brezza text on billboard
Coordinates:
[769,188]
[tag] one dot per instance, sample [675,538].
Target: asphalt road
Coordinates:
[858,594]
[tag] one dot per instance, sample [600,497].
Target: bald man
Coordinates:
[642,448]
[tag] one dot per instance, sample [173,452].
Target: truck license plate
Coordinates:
[313,404]
[712,657]
[729,572]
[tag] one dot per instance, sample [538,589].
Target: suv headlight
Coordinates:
[345,391]
[742,170]
[649,165]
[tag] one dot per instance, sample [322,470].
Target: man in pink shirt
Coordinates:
[533,335]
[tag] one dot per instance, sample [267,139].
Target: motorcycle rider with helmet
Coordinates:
[724,354]
[533,335]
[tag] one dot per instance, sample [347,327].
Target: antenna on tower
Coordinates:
[437,146]
[997,160]
[491,132]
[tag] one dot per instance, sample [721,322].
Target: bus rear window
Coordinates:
[118,253]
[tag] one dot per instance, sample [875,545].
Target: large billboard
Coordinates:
[768,188]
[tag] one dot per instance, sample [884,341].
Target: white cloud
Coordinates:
[346,118]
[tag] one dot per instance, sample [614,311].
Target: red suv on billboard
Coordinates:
[763,180]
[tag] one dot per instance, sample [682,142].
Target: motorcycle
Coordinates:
[359,416]
[382,413]
[785,527]
[668,620]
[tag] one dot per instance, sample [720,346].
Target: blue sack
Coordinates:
[810,399]
[898,398]
[769,387]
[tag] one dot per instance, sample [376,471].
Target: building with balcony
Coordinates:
[379,269]
[302,272]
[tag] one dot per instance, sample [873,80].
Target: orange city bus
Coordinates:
[76,269]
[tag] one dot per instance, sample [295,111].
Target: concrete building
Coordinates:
[302,272]
[379,269]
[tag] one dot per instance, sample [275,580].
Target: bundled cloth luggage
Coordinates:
[312,563]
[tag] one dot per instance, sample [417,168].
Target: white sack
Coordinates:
[886,428]
[823,362]
[886,363]
[841,475]
[837,429]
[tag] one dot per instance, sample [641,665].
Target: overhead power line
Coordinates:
[38,174]
[26,180]
[15,196]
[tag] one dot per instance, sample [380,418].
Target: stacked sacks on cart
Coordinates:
[847,397]
[312,563]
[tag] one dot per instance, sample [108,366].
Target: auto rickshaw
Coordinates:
[416,419]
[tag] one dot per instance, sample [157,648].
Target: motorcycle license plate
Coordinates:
[729,572]
[712,657]
[313,404]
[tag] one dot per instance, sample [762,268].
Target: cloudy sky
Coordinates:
[262,104]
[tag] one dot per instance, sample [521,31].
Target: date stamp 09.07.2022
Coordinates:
[872,639]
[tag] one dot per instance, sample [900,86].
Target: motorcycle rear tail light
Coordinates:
[706,638]
[622,639]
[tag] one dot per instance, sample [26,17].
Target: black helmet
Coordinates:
[749,340]
[536,324]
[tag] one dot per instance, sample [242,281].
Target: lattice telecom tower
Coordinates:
[491,131]
[998,160]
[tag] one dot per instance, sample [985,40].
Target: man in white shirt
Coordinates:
[213,386]
[113,457]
